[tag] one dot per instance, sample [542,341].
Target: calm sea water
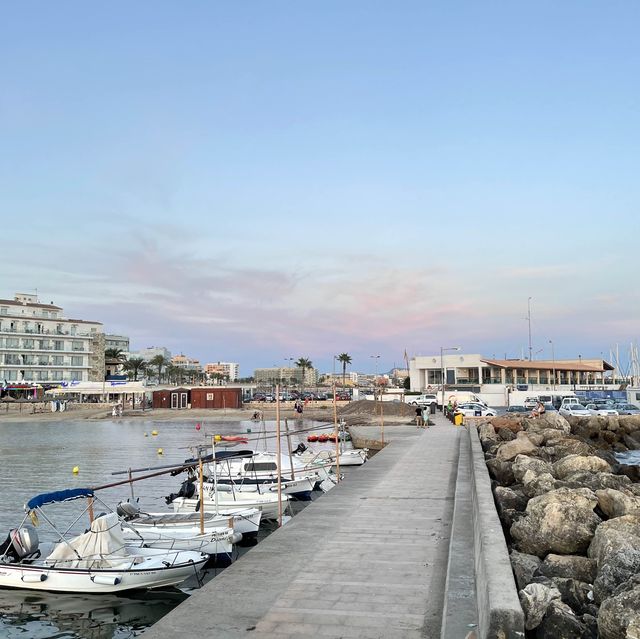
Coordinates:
[631,457]
[38,457]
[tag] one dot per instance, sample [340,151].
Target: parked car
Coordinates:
[421,400]
[601,409]
[530,403]
[628,409]
[574,410]
[475,410]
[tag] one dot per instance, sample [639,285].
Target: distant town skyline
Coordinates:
[252,182]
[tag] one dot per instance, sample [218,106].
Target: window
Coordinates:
[253,466]
[12,376]
[58,360]
[76,376]
[28,343]
[58,345]
[77,345]
[13,342]
[4,310]
[76,360]
[56,376]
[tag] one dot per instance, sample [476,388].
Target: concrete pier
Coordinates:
[373,558]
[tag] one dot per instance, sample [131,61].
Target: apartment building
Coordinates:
[286,376]
[39,344]
[188,363]
[230,369]
[119,342]
[147,354]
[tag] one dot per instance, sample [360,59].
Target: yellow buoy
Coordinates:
[154,432]
[160,451]
[218,438]
[146,435]
[76,470]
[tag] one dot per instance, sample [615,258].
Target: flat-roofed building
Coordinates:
[230,369]
[39,344]
[501,381]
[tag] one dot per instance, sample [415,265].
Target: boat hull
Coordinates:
[149,573]
[267,504]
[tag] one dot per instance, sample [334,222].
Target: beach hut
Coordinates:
[176,398]
[216,397]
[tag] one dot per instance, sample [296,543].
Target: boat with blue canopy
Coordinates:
[100,560]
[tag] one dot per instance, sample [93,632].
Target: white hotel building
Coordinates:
[39,345]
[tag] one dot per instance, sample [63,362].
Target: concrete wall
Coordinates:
[499,610]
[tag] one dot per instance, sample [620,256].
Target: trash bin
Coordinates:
[432,408]
[457,420]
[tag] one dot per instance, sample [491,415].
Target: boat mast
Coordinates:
[335,428]
[278,454]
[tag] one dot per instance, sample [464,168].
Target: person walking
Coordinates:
[419,417]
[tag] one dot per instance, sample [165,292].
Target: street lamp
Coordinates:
[375,376]
[290,360]
[553,359]
[442,350]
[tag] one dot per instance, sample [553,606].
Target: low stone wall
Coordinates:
[499,610]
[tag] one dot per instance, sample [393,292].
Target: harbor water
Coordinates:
[38,457]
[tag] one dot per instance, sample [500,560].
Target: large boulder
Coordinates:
[570,446]
[551,420]
[576,594]
[501,471]
[619,615]
[597,481]
[487,432]
[615,571]
[535,599]
[536,485]
[507,498]
[524,567]
[523,464]
[521,445]
[568,566]
[615,503]
[629,423]
[560,622]
[621,533]
[632,441]
[575,463]
[561,521]
[514,424]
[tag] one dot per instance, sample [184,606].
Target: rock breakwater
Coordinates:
[571,517]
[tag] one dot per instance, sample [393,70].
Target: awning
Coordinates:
[57,496]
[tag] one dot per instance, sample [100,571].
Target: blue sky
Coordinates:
[251,181]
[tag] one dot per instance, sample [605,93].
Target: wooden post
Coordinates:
[335,430]
[286,428]
[90,500]
[201,494]
[278,455]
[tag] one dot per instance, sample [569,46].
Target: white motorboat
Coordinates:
[266,503]
[347,457]
[98,561]
[184,530]
[258,472]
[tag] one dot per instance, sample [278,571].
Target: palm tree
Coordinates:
[114,353]
[303,363]
[135,365]
[160,362]
[344,359]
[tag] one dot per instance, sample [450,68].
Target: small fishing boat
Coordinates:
[267,504]
[212,533]
[97,561]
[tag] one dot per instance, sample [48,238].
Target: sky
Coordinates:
[253,181]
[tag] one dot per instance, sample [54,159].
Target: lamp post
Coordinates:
[290,360]
[375,374]
[442,350]
[553,359]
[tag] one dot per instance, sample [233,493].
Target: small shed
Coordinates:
[216,397]
[176,398]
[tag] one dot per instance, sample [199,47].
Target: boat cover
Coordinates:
[58,495]
[103,546]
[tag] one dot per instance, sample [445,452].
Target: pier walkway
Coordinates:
[370,559]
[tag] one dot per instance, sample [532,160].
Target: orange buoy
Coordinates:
[312,438]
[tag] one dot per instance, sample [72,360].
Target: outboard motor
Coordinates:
[300,449]
[127,510]
[20,543]
[187,490]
